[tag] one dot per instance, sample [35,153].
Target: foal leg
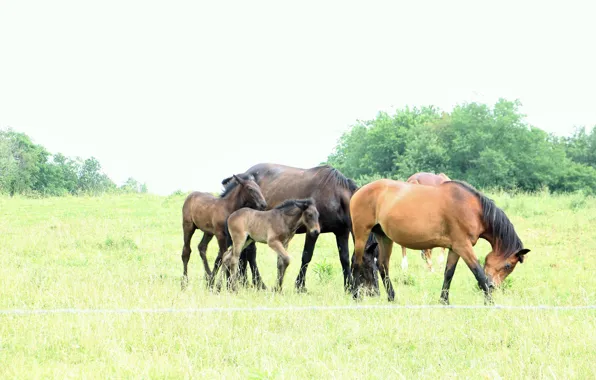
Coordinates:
[450,266]
[221,240]
[203,252]
[230,261]
[385,249]
[283,260]
[188,229]
[309,247]
[404,259]
[250,257]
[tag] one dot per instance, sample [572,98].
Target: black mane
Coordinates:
[334,176]
[499,224]
[289,205]
[230,184]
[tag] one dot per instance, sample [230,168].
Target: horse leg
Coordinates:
[404,259]
[427,256]
[385,249]
[441,257]
[343,246]
[251,256]
[242,266]
[231,259]
[283,260]
[203,252]
[360,232]
[221,241]
[466,252]
[188,229]
[452,260]
[309,248]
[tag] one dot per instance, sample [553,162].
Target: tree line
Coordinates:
[29,169]
[489,147]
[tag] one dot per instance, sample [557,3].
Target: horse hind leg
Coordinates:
[203,252]
[188,229]
[404,259]
[385,249]
[283,261]
[427,256]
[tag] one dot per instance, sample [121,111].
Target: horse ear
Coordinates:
[238,179]
[521,254]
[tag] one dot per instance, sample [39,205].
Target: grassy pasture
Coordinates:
[124,252]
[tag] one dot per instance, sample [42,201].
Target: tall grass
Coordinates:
[124,252]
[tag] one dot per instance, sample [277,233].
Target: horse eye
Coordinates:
[507,266]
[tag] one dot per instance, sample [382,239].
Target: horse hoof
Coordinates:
[184,283]
[301,290]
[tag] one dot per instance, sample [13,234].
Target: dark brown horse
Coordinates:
[207,213]
[331,191]
[427,179]
[452,215]
[275,227]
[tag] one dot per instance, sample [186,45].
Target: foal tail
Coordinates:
[227,234]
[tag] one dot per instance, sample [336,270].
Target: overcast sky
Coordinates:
[181,94]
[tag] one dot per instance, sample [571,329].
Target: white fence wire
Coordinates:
[206,310]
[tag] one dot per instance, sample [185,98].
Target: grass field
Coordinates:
[124,252]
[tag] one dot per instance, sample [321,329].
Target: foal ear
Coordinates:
[521,254]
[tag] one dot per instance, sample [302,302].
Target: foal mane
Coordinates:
[230,184]
[495,219]
[335,177]
[289,205]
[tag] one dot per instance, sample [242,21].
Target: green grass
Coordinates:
[124,252]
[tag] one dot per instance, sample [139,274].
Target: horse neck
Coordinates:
[233,201]
[494,243]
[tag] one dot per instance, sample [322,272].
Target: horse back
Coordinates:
[279,183]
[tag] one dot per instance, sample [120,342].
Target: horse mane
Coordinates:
[289,205]
[230,184]
[495,219]
[335,177]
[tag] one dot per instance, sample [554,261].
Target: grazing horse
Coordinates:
[331,191]
[452,215]
[207,213]
[428,179]
[275,227]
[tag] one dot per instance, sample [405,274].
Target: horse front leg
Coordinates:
[342,240]
[466,252]
[450,266]
[309,247]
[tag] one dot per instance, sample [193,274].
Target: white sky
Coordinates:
[181,94]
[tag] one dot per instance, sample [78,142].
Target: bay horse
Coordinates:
[208,213]
[276,227]
[452,215]
[427,179]
[331,192]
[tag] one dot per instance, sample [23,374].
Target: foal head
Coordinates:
[249,193]
[310,215]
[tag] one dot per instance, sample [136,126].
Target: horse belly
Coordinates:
[419,228]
